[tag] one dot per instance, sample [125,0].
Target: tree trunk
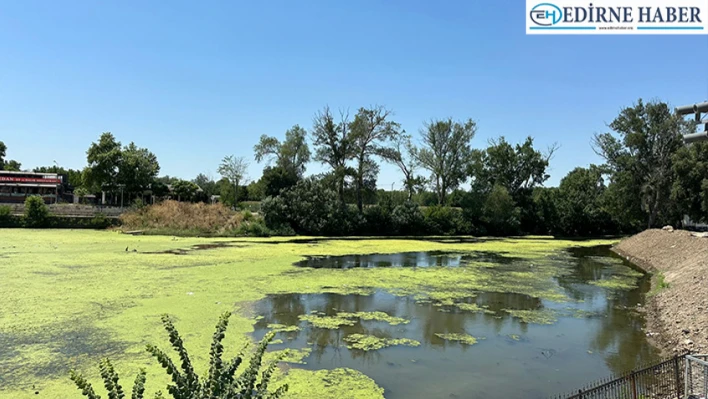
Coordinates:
[359,187]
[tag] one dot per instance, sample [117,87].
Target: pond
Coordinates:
[486,345]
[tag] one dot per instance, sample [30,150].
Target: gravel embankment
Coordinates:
[677,315]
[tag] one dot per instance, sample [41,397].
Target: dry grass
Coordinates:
[185,217]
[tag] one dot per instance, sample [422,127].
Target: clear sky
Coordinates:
[196,80]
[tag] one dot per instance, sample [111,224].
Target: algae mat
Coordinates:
[71,297]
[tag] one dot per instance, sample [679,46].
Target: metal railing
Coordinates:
[696,376]
[664,380]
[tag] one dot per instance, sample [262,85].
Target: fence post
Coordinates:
[677,374]
[633,380]
[686,377]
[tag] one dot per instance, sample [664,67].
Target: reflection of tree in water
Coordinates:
[619,337]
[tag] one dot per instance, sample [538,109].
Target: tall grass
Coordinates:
[184,218]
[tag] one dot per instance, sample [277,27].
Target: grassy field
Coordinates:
[71,297]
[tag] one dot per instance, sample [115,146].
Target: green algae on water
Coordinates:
[331,322]
[617,283]
[282,328]
[377,316]
[543,316]
[473,307]
[371,343]
[462,338]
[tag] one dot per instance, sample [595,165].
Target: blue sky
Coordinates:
[194,81]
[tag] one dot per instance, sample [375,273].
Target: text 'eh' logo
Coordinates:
[546,14]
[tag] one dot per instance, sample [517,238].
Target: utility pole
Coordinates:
[697,110]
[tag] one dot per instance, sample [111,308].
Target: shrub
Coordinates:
[36,212]
[310,207]
[5,213]
[220,382]
[377,220]
[444,220]
[406,219]
[100,221]
[500,212]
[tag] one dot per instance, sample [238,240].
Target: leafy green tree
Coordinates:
[334,146]
[233,169]
[545,207]
[404,154]
[104,158]
[309,207]
[500,213]
[137,169]
[639,158]
[580,202]
[292,155]
[370,130]
[445,153]
[185,190]
[276,179]
[519,169]
[13,166]
[36,212]
[690,185]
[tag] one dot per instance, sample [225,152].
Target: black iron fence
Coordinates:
[664,380]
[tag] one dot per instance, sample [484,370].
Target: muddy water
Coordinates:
[594,335]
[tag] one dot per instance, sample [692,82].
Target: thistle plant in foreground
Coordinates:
[220,382]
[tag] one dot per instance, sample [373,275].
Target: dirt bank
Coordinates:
[677,315]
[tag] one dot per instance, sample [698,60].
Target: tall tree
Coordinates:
[403,154]
[334,146]
[292,154]
[137,169]
[370,129]
[104,159]
[445,153]
[233,169]
[518,168]
[580,202]
[74,176]
[690,185]
[639,158]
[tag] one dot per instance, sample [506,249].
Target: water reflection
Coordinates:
[404,259]
[596,333]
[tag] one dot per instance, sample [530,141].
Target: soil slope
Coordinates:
[677,316]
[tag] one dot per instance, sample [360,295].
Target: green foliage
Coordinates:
[36,212]
[185,190]
[12,165]
[370,129]
[5,212]
[276,179]
[100,221]
[407,219]
[3,153]
[334,146]
[309,208]
[233,169]
[580,203]
[500,213]
[445,153]
[221,382]
[292,155]
[639,158]
[690,186]
[444,220]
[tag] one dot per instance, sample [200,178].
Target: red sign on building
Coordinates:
[35,180]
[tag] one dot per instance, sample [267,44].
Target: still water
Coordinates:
[595,335]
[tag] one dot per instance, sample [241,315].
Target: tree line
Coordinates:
[648,177]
